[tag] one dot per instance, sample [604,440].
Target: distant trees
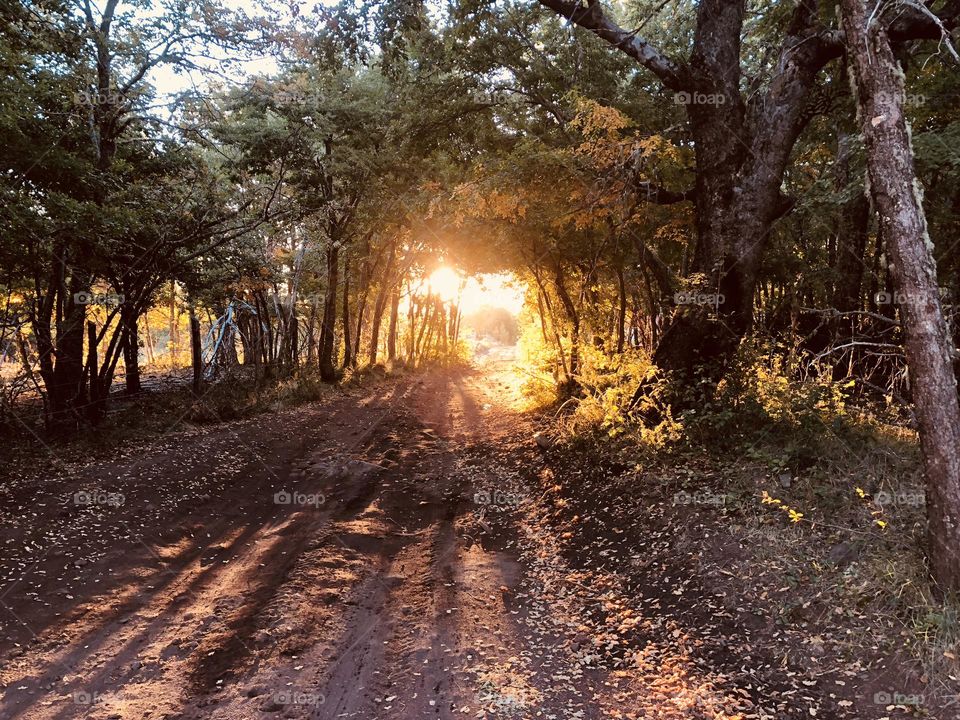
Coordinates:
[497,324]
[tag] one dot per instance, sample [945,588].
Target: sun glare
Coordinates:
[446,283]
[500,290]
[493,290]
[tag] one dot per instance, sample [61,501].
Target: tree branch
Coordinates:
[674,75]
[659,195]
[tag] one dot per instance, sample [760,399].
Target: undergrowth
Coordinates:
[817,482]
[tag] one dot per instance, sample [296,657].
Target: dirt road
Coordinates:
[400,550]
[341,560]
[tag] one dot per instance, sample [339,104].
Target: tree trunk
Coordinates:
[131,347]
[543,320]
[94,410]
[68,390]
[151,358]
[365,271]
[742,146]
[196,355]
[458,317]
[413,311]
[897,196]
[622,310]
[311,333]
[381,304]
[294,334]
[328,372]
[574,319]
[174,340]
[394,323]
[558,343]
[347,347]
[418,347]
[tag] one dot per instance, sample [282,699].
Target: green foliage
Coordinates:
[759,405]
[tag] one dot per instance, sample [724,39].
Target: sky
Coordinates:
[169,81]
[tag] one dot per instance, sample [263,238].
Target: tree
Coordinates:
[744,126]
[100,195]
[930,352]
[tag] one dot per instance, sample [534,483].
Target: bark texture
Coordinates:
[897,197]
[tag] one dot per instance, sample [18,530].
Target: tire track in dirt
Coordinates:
[394,598]
[193,592]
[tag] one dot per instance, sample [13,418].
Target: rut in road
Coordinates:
[373,599]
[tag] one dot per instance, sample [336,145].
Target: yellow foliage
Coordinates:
[794,515]
[596,120]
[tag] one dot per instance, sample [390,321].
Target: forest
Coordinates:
[480,358]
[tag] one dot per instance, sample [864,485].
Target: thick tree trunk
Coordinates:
[328,372]
[742,144]
[68,390]
[897,196]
